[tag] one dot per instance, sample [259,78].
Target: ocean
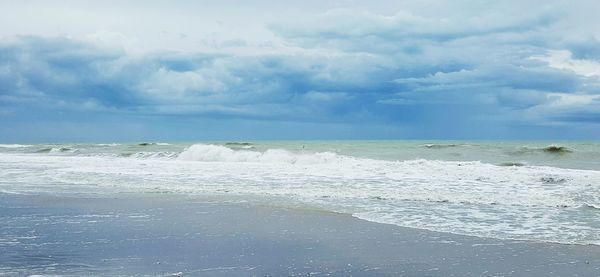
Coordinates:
[524,190]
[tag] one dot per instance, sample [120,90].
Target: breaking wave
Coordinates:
[217,153]
[501,200]
[437,146]
[162,154]
[14,145]
[550,149]
[153,143]
[556,149]
[56,150]
[107,144]
[44,150]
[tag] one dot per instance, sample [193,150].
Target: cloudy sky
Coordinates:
[191,70]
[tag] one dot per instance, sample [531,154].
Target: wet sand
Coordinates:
[170,235]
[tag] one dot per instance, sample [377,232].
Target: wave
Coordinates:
[556,149]
[593,206]
[153,143]
[512,164]
[14,145]
[435,146]
[107,144]
[468,197]
[550,149]
[218,153]
[43,150]
[239,145]
[55,150]
[162,154]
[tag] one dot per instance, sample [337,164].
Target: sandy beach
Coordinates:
[300,138]
[172,235]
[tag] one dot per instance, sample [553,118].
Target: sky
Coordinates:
[75,71]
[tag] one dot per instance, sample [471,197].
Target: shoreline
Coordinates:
[258,203]
[156,235]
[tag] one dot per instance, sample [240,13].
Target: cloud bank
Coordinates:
[354,72]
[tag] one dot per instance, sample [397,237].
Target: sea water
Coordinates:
[539,191]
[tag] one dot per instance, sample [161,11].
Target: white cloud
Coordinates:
[168,85]
[563,59]
[383,58]
[108,39]
[564,100]
[558,108]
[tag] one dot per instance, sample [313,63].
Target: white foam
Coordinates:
[217,153]
[471,198]
[14,145]
[146,154]
[63,150]
[107,144]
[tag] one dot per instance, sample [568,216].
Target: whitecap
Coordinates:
[218,153]
[14,145]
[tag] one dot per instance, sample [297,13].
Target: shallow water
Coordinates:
[539,191]
[158,235]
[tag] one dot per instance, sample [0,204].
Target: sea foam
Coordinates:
[467,197]
[217,153]
[14,145]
